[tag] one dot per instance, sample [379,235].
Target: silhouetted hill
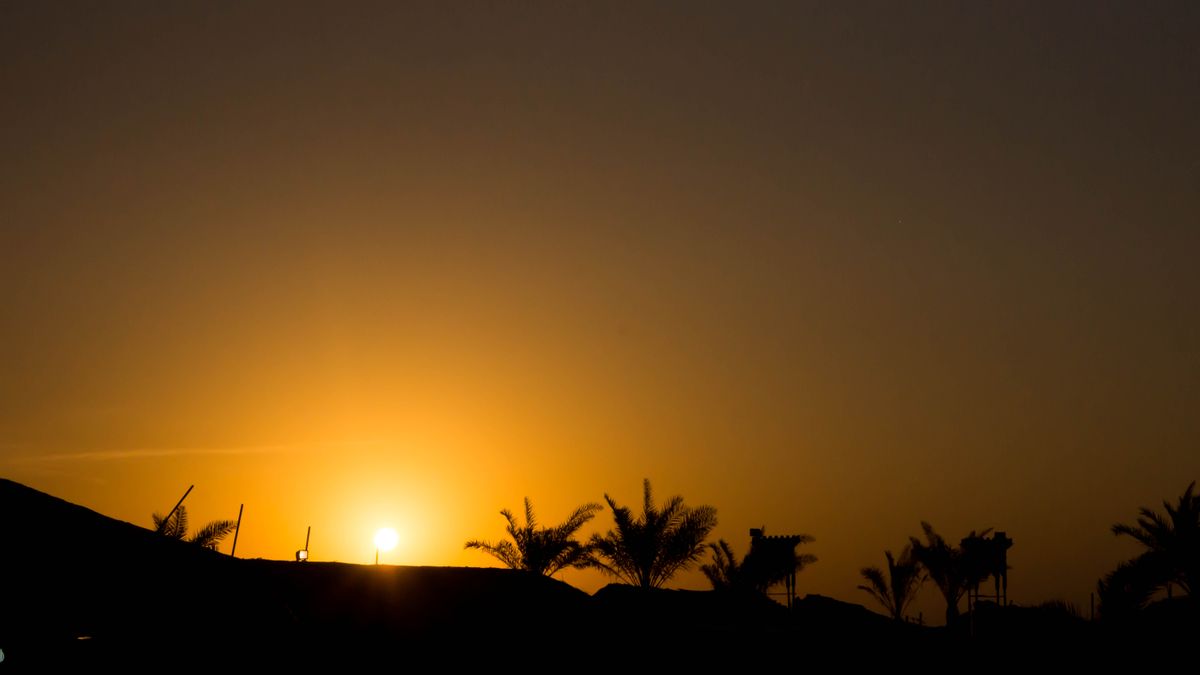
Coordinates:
[72,573]
[826,617]
[687,612]
[80,586]
[84,589]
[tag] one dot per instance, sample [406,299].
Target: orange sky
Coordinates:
[830,271]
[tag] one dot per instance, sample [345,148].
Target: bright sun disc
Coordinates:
[386,538]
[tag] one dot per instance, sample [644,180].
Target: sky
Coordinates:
[832,268]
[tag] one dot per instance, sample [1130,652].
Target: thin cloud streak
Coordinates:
[144,453]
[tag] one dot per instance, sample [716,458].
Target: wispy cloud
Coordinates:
[116,454]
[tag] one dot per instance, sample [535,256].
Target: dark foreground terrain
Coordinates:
[83,589]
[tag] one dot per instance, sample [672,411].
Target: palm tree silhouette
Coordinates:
[768,568]
[725,573]
[649,549]
[1172,554]
[896,588]
[176,527]
[1129,588]
[757,571]
[541,550]
[950,568]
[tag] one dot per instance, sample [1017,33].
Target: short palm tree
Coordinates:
[1172,541]
[541,550]
[176,527]
[1126,590]
[649,549]
[948,567]
[896,588]
[725,573]
[765,569]
[758,571]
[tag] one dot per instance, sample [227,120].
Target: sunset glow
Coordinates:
[385,273]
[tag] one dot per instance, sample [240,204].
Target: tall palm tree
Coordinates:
[649,549]
[896,588]
[950,568]
[176,527]
[1172,541]
[541,550]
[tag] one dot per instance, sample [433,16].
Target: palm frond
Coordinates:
[878,587]
[724,571]
[504,551]
[174,526]
[210,535]
[1129,587]
[530,520]
[804,560]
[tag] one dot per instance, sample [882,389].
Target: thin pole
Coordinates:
[306,536]
[377,556]
[236,529]
[177,504]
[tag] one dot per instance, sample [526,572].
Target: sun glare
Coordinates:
[386,539]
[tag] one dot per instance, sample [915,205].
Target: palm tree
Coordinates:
[768,565]
[1126,590]
[541,550]
[1172,556]
[1172,541]
[759,570]
[176,526]
[950,568]
[649,549]
[898,587]
[725,573]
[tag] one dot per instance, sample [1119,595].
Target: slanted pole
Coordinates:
[236,529]
[177,505]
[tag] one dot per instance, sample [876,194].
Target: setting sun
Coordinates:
[386,539]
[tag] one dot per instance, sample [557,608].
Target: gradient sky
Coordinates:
[833,270]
